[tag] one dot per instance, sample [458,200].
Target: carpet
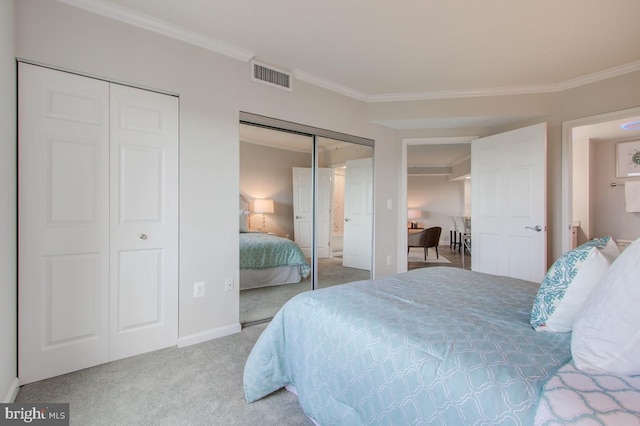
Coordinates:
[416,254]
[198,385]
[258,304]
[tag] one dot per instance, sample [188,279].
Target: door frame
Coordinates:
[401,254]
[567,167]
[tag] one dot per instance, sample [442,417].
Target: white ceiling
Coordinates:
[378,50]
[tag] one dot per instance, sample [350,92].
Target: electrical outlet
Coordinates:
[228,284]
[198,289]
[389,258]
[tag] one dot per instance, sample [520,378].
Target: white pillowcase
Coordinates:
[244,220]
[569,282]
[606,333]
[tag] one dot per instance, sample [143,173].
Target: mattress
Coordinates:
[265,277]
[431,346]
[267,259]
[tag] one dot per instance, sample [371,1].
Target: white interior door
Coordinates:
[144,221]
[98,228]
[63,125]
[323,213]
[303,210]
[508,209]
[358,214]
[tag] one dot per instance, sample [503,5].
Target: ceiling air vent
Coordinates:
[271,76]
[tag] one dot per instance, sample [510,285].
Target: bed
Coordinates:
[436,345]
[267,260]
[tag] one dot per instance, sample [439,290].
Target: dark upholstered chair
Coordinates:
[428,238]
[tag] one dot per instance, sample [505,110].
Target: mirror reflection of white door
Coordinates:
[358,214]
[508,208]
[303,210]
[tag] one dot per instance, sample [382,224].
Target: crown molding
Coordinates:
[461,160]
[159,26]
[330,85]
[506,91]
[599,76]
[126,15]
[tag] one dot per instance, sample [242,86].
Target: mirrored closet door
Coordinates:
[305,212]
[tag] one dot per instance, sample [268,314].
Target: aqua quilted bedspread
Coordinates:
[436,346]
[259,250]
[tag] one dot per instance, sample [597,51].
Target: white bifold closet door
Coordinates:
[98,222]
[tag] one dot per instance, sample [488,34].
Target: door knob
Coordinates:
[299,217]
[143,236]
[536,228]
[346,219]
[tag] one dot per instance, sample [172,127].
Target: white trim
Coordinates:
[330,85]
[567,169]
[98,77]
[204,336]
[507,91]
[141,20]
[12,392]
[462,160]
[441,140]
[402,211]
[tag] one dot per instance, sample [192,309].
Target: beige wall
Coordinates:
[608,203]
[581,163]
[212,89]
[8,228]
[438,198]
[614,94]
[267,173]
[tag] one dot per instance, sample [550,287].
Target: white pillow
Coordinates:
[569,282]
[606,333]
[244,220]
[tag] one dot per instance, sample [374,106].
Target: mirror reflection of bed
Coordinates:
[276,165]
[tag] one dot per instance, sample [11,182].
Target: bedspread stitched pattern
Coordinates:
[259,250]
[436,346]
[573,397]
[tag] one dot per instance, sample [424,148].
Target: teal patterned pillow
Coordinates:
[569,282]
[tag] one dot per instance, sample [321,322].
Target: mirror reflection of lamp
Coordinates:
[263,206]
[413,215]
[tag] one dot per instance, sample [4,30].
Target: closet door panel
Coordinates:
[144,221]
[140,303]
[63,228]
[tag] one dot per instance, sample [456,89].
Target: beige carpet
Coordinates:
[199,385]
[416,254]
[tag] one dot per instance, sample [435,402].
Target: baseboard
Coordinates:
[12,392]
[214,333]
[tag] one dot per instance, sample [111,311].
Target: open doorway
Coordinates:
[593,191]
[436,192]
